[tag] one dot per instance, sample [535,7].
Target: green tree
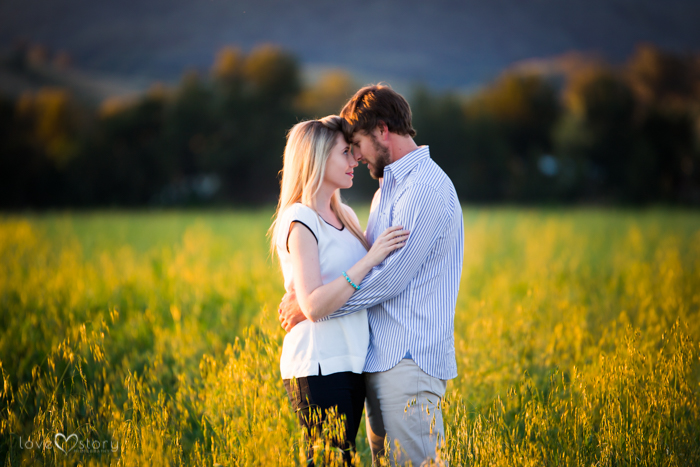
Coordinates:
[663,78]
[253,117]
[526,106]
[273,75]
[600,132]
[123,161]
[518,113]
[668,88]
[328,95]
[52,121]
[470,149]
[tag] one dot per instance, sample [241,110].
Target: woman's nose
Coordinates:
[353,162]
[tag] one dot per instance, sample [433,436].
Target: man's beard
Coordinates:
[383,159]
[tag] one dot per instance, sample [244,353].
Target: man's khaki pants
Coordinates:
[404,404]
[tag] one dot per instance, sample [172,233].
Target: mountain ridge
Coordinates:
[445,44]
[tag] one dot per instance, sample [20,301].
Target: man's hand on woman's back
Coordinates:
[289,311]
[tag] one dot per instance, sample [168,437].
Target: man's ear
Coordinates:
[383,129]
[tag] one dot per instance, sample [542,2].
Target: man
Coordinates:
[411,296]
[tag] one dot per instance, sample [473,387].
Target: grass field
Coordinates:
[152,336]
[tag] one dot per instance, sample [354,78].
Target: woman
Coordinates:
[324,255]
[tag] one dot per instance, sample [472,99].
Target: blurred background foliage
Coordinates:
[595,134]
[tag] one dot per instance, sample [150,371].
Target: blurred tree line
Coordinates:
[628,134]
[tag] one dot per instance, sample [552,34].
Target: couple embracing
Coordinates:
[369,316]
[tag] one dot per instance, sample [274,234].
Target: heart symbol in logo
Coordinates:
[65,441]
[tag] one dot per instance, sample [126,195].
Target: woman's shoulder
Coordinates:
[298,212]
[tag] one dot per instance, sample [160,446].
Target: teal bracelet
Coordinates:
[347,278]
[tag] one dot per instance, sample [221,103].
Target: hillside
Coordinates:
[446,44]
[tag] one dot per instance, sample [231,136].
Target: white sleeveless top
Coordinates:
[338,344]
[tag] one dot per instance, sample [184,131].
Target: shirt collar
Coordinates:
[405,165]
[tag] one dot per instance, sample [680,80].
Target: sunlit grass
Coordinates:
[576,336]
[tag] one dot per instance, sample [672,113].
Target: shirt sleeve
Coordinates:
[296,213]
[421,210]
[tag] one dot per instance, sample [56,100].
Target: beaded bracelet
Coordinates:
[347,278]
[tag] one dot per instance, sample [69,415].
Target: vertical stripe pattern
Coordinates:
[411,296]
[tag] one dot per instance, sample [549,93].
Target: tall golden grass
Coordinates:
[153,338]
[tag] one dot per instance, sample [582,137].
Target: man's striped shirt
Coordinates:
[411,296]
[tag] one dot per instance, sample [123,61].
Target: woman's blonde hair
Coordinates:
[309,144]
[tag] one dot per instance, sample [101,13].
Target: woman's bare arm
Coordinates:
[317,300]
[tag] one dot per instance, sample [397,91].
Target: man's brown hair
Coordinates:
[374,104]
